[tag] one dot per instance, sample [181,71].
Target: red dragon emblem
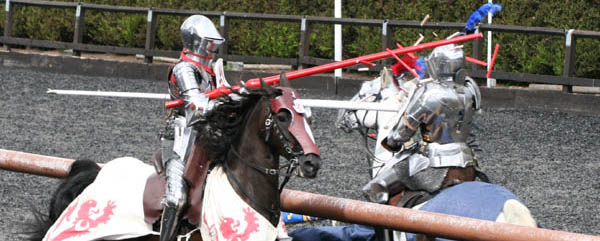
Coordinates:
[84,220]
[229,226]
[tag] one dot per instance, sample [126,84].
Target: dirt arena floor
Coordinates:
[549,159]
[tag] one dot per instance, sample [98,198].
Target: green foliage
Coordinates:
[44,24]
[519,52]
[321,41]
[117,29]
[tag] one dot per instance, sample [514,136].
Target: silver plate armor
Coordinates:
[441,111]
[445,61]
[200,40]
[445,108]
[193,82]
[200,36]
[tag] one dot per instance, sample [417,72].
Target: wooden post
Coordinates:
[8,20]
[385,41]
[570,53]
[477,51]
[304,41]
[225,34]
[79,27]
[150,35]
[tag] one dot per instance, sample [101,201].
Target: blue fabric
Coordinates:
[420,67]
[353,232]
[480,13]
[470,199]
[297,218]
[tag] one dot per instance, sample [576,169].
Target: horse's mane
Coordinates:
[222,126]
[82,174]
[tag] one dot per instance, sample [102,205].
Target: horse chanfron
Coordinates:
[295,133]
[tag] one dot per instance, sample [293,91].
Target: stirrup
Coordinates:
[187,236]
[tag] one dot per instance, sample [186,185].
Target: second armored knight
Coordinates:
[442,110]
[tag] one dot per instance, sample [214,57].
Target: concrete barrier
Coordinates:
[518,98]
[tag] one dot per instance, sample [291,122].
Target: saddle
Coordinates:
[455,175]
[195,174]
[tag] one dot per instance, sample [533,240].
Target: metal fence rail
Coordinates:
[306,23]
[346,210]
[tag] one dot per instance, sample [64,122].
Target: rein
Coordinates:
[363,131]
[291,166]
[271,211]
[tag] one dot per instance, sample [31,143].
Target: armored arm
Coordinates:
[348,120]
[192,84]
[420,109]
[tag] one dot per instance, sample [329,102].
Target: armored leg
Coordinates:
[176,187]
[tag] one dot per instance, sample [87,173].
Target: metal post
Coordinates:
[8,23]
[304,41]
[337,40]
[150,35]
[416,221]
[224,34]
[79,28]
[48,166]
[570,53]
[491,82]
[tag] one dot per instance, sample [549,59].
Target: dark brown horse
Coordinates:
[244,138]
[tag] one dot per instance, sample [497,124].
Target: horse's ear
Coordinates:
[264,85]
[284,81]
[269,90]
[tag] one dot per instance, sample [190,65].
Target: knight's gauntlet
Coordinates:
[347,121]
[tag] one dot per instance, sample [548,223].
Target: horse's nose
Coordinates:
[309,165]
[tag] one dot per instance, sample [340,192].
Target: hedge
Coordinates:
[520,53]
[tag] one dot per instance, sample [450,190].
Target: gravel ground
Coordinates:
[549,159]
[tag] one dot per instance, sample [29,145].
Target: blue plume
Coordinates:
[481,13]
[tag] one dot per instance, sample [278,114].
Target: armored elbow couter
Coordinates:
[386,184]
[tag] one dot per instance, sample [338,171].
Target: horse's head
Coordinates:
[283,125]
[292,131]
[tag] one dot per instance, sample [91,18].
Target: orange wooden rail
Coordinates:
[346,210]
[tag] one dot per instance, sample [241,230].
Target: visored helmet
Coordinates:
[445,61]
[200,36]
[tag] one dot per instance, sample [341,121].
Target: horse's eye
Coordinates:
[282,118]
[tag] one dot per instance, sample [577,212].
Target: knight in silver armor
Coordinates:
[441,112]
[188,80]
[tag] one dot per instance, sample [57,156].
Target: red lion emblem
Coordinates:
[229,226]
[84,221]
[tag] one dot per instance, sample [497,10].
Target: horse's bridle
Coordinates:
[271,124]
